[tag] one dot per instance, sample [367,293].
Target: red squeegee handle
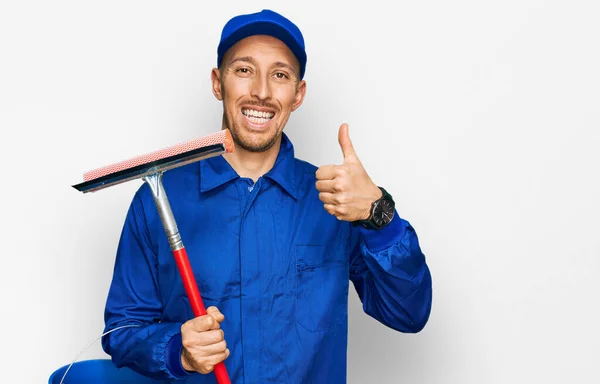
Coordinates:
[189,282]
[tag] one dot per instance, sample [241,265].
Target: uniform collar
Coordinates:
[216,171]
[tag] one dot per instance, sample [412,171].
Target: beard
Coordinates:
[250,142]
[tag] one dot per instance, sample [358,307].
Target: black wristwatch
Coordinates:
[382,212]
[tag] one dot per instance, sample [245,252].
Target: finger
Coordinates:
[197,340]
[346,143]
[206,338]
[339,199]
[212,349]
[327,198]
[218,357]
[202,323]
[215,313]
[326,172]
[212,309]
[330,208]
[327,185]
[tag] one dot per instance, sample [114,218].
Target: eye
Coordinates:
[243,70]
[281,75]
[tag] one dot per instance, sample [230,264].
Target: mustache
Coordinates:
[261,104]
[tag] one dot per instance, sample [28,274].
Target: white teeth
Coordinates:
[258,120]
[258,114]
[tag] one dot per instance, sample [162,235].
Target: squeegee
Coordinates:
[150,168]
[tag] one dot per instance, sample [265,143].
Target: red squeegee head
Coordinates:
[222,137]
[162,160]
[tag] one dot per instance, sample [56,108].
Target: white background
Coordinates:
[480,117]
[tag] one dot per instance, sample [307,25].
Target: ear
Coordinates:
[299,97]
[215,77]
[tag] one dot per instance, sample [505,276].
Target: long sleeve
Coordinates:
[391,276]
[151,347]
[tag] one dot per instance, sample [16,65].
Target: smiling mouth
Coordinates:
[257,117]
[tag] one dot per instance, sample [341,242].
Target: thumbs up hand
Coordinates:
[346,190]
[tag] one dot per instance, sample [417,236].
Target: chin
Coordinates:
[254,141]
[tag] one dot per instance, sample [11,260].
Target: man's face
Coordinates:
[259,85]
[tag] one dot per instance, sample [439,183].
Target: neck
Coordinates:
[253,164]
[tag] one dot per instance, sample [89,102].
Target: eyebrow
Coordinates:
[281,64]
[245,59]
[277,64]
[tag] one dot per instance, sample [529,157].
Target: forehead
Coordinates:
[262,48]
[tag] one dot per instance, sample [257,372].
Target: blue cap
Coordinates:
[265,22]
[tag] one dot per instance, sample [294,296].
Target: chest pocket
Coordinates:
[321,288]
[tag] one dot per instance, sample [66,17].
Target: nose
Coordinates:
[261,88]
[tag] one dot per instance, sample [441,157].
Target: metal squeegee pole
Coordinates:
[185,270]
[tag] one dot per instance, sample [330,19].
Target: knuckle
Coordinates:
[215,336]
[342,198]
[220,357]
[348,198]
[208,321]
[186,343]
[207,368]
[187,326]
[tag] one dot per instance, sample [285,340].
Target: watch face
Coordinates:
[383,213]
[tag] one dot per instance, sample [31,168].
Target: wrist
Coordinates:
[184,362]
[174,359]
[374,195]
[381,211]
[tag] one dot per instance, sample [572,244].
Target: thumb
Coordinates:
[346,144]
[215,313]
